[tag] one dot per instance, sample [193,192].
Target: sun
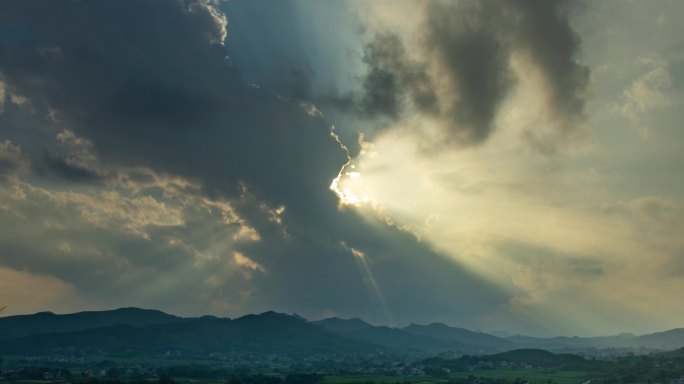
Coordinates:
[348,180]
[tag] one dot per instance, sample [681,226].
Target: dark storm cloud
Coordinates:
[392,77]
[471,43]
[381,85]
[466,38]
[149,84]
[155,91]
[267,45]
[61,168]
[417,283]
[544,30]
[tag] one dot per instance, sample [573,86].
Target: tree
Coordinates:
[165,378]
[304,378]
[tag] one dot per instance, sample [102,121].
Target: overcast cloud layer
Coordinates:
[494,164]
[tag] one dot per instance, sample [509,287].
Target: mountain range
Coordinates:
[134,332]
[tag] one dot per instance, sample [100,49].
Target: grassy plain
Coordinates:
[531,376]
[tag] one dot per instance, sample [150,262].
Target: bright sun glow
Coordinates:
[476,207]
[347,194]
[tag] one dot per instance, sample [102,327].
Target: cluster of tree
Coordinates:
[93,380]
[37,373]
[471,379]
[655,368]
[196,371]
[520,358]
[165,377]
[294,378]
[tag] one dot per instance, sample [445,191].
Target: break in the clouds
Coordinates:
[181,155]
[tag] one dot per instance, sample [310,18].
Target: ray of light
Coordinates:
[371,283]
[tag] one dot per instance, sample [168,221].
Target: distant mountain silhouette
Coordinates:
[268,332]
[394,338]
[134,331]
[336,324]
[48,322]
[483,341]
[574,342]
[671,339]
[666,340]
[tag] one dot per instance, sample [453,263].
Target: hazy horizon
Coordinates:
[495,332]
[511,165]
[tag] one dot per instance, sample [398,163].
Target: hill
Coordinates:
[48,322]
[134,331]
[671,339]
[666,340]
[392,338]
[519,358]
[266,333]
[439,331]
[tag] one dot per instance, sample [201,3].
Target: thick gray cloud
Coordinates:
[268,46]
[467,38]
[392,77]
[544,31]
[127,84]
[162,95]
[381,86]
[470,44]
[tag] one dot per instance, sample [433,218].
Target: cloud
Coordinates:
[466,41]
[112,242]
[248,265]
[3,93]
[75,160]
[460,69]
[545,33]
[392,77]
[12,162]
[657,209]
[194,165]
[142,100]
[651,92]
[213,17]
[111,239]
[540,271]
[148,143]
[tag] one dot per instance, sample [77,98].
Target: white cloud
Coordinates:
[650,92]
[130,228]
[12,162]
[247,266]
[3,93]
[207,9]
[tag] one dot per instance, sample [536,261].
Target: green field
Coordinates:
[358,379]
[530,375]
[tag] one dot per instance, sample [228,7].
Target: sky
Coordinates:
[499,165]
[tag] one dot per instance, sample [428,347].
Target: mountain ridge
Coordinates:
[136,330]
